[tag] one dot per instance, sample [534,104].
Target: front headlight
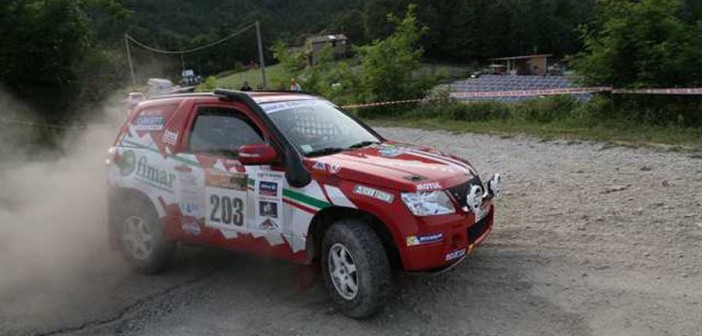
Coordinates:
[428,203]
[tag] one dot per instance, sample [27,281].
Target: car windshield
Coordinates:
[317,127]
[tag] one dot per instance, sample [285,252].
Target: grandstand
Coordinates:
[500,83]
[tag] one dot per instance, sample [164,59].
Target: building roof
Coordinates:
[513,58]
[327,38]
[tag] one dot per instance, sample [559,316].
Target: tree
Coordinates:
[44,48]
[388,65]
[641,44]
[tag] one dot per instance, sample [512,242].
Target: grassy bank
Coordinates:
[275,76]
[550,118]
[629,134]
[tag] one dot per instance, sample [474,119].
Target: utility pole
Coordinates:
[261,61]
[129,59]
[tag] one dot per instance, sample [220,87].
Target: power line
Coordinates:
[189,51]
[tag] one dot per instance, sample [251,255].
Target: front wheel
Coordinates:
[356,268]
[142,242]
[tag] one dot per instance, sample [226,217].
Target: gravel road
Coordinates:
[590,239]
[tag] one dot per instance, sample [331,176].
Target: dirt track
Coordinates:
[590,240]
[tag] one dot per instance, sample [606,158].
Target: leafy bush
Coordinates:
[208,85]
[643,43]
[544,110]
[683,111]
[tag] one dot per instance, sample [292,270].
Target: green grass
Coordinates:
[275,75]
[626,134]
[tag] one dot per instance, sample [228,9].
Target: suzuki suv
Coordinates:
[291,176]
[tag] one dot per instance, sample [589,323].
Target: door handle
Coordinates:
[183,169]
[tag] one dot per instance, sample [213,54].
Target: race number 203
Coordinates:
[226,210]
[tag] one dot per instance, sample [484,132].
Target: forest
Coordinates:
[65,54]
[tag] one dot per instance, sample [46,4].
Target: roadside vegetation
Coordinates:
[391,69]
[601,119]
[62,59]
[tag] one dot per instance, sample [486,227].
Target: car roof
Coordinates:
[260,97]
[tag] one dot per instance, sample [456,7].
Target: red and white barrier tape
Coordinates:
[538,92]
[472,94]
[677,91]
[391,102]
[530,93]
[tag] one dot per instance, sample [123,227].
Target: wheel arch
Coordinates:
[118,196]
[326,217]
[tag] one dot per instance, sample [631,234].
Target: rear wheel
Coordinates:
[356,268]
[142,242]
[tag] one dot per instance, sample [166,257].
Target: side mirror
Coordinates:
[259,154]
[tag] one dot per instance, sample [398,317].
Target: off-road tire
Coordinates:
[162,251]
[372,267]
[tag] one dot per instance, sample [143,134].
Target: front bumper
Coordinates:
[461,234]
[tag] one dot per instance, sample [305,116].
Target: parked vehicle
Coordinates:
[290,175]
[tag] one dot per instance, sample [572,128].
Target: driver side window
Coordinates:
[220,130]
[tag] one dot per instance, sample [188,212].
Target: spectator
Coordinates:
[246,87]
[294,85]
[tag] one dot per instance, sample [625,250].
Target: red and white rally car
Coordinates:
[290,175]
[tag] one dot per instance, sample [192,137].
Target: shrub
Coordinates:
[545,110]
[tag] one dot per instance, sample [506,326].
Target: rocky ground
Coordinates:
[590,239]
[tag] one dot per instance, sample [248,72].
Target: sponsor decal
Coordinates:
[456,254]
[276,107]
[268,189]
[306,148]
[374,193]
[268,209]
[154,175]
[190,202]
[127,164]
[319,166]
[149,123]
[420,164]
[390,150]
[191,227]
[269,201]
[190,208]
[226,180]
[334,168]
[269,225]
[427,239]
[225,199]
[169,137]
[429,186]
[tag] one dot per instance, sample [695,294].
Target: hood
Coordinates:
[395,166]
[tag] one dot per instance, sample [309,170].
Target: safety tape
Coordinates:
[529,93]
[471,94]
[536,93]
[677,91]
[392,102]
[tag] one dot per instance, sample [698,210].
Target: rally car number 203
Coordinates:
[292,176]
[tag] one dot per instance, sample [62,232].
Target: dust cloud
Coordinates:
[54,249]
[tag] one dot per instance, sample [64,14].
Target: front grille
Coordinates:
[459,192]
[477,230]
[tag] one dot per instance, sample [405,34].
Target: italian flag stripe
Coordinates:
[304,199]
[300,206]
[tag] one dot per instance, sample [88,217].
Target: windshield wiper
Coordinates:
[325,151]
[364,144]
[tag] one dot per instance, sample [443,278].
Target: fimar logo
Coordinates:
[160,177]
